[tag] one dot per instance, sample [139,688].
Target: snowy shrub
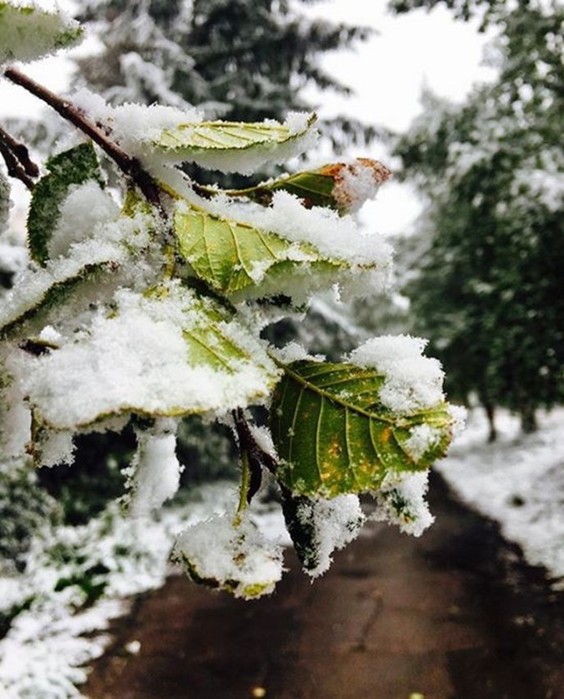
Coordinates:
[25,510]
[146,305]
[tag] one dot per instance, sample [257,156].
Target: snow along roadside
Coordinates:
[518,481]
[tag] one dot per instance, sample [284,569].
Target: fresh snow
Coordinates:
[517,481]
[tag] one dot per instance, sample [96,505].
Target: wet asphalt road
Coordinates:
[455,614]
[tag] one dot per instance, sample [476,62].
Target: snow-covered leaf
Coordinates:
[318,527]
[230,556]
[340,186]
[233,256]
[334,435]
[28,32]
[234,146]
[47,292]
[167,352]
[66,170]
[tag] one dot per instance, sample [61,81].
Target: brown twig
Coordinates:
[256,455]
[69,111]
[16,157]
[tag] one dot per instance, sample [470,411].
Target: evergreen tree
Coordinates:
[240,60]
[490,292]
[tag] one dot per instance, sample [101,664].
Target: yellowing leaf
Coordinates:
[232,256]
[334,436]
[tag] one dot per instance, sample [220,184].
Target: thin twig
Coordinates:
[16,157]
[69,111]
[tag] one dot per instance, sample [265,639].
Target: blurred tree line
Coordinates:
[488,288]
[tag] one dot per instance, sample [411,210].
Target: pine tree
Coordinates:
[490,292]
[239,60]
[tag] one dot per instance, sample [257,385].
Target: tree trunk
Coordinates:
[529,422]
[490,414]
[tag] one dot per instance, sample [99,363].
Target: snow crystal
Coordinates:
[421,439]
[236,557]
[401,501]
[156,467]
[57,447]
[86,209]
[50,335]
[412,381]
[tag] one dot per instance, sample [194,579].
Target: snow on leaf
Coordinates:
[28,32]
[164,353]
[230,556]
[244,260]
[234,146]
[67,169]
[340,186]
[334,435]
[230,255]
[319,526]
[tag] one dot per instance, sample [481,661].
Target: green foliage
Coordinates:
[25,509]
[66,170]
[140,321]
[489,293]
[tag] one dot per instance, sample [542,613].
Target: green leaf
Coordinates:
[193,138]
[232,256]
[334,436]
[330,186]
[27,32]
[70,168]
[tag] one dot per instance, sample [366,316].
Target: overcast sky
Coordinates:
[387,73]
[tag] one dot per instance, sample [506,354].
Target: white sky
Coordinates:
[387,73]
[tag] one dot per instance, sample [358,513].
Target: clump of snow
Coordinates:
[421,439]
[412,381]
[297,122]
[357,182]
[263,437]
[401,501]
[134,124]
[231,556]
[156,468]
[86,209]
[332,524]
[57,447]
[28,32]
[295,352]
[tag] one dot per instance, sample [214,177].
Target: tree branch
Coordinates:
[69,111]
[18,162]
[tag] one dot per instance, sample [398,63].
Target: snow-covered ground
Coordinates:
[518,481]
